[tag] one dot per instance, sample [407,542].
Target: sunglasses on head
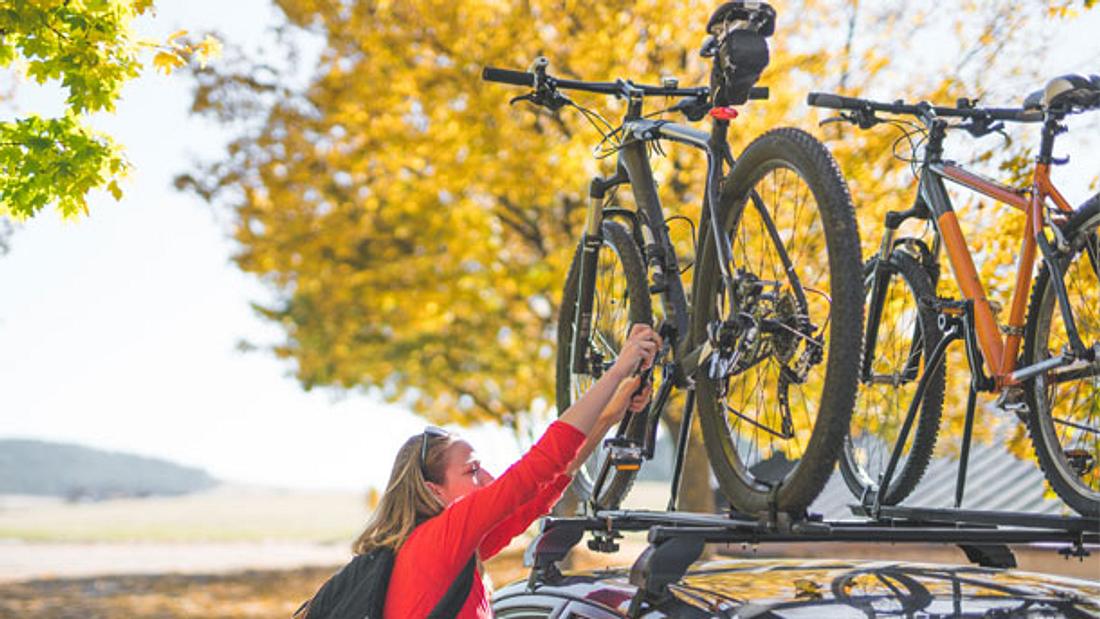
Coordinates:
[428,432]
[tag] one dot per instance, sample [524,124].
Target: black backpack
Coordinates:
[358,590]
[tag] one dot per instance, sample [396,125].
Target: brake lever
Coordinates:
[527,97]
[859,118]
[982,128]
[549,99]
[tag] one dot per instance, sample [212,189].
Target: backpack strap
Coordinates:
[453,600]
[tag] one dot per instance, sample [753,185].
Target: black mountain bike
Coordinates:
[768,337]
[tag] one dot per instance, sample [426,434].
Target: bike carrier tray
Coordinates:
[676,539]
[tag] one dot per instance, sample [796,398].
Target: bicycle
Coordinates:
[908,327]
[773,295]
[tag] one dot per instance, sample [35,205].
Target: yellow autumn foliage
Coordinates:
[416,230]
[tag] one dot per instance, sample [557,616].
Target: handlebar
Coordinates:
[619,88]
[922,110]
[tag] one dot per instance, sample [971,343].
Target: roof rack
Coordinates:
[676,539]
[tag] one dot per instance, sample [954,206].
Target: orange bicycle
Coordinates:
[1052,383]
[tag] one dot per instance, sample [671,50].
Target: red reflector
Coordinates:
[723,113]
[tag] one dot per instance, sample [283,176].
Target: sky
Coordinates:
[120,330]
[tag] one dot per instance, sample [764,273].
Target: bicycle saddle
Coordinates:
[742,15]
[1069,91]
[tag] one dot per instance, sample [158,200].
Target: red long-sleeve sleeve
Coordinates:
[522,518]
[438,549]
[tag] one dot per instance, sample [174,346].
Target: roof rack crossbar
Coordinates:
[1075,524]
[677,538]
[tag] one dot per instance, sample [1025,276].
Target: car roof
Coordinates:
[821,587]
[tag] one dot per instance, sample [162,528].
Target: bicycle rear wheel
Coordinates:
[621,299]
[904,335]
[775,407]
[1064,415]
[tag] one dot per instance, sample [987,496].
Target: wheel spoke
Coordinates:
[1073,424]
[1066,427]
[765,244]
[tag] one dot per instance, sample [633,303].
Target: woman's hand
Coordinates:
[596,407]
[638,352]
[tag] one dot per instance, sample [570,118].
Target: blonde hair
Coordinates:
[407,501]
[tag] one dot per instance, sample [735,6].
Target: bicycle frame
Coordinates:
[973,320]
[933,202]
[634,168]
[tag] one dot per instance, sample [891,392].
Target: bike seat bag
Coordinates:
[740,30]
[1069,91]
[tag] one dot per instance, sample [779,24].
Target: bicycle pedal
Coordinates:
[625,455]
[1013,400]
[1081,461]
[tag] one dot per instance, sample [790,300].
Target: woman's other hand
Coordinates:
[641,399]
[631,395]
[615,410]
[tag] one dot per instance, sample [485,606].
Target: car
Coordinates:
[804,588]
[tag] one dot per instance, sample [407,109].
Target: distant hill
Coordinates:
[81,473]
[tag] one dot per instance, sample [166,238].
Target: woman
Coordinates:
[441,508]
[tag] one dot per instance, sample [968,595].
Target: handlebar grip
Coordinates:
[1020,115]
[831,101]
[508,76]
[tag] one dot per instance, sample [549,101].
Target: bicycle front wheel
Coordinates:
[901,335]
[620,299]
[1064,416]
[776,397]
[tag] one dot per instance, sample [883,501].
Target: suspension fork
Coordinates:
[880,283]
[591,242]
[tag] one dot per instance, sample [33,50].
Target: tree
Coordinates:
[416,230]
[92,49]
